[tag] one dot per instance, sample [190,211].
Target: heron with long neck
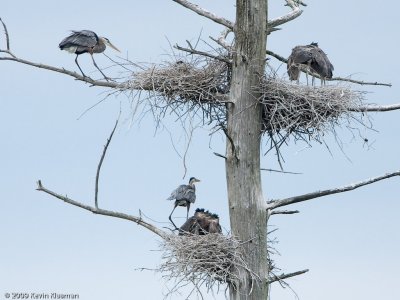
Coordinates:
[86,41]
[184,195]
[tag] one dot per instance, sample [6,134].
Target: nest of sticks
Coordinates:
[199,81]
[201,87]
[202,260]
[184,88]
[305,112]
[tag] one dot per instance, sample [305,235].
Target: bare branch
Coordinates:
[356,81]
[279,203]
[222,40]
[202,12]
[284,212]
[376,108]
[191,50]
[277,56]
[101,162]
[219,155]
[104,212]
[6,33]
[279,171]
[77,76]
[284,19]
[285,276]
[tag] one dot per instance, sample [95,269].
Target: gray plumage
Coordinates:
[81,42]
[184,195]
[85,41]
[202,223]
[311,56]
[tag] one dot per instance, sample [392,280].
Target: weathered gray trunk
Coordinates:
[246,203]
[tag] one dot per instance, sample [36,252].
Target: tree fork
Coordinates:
[246,205]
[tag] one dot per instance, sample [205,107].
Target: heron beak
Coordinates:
[112,46]
[198,180]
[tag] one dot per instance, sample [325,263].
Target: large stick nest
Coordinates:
[208,260]
[305,111]
[201,87]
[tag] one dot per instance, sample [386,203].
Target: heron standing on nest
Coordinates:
[86,41]
[184,195]
[314,58]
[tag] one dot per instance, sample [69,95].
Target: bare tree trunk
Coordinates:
[246,204]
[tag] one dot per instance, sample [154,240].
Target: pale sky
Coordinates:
[350,242]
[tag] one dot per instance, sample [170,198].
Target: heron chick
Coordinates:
[202,223]
[184,195]
[86,41]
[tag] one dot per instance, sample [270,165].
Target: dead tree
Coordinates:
[232,90]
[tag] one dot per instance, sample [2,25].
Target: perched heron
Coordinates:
[314,58]
[86,41]
[202,223]
[184,195]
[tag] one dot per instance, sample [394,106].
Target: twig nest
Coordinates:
[200,81]
[207,260]
[305,110]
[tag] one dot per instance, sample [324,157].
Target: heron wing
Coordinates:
[183,192]
[321,63]
[300,55]
[83,38]
[214,227]
[189,226]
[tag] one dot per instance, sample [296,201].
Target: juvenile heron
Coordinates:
[184,195]
[86,41]
[202,223]
[314,58]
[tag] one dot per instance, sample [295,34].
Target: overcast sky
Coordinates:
[350,242]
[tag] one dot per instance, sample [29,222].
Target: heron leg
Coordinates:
[307,76]
[76,61]
[170,215]
[105,77]
[187,210]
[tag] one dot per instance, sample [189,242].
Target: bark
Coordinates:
[246,205]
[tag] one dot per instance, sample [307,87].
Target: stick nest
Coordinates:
[199,81]
[305,110]
[200,260]
[202,85]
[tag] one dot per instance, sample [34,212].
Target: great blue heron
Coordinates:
[184,195]
[202,223]
[86,41]
[314,58]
